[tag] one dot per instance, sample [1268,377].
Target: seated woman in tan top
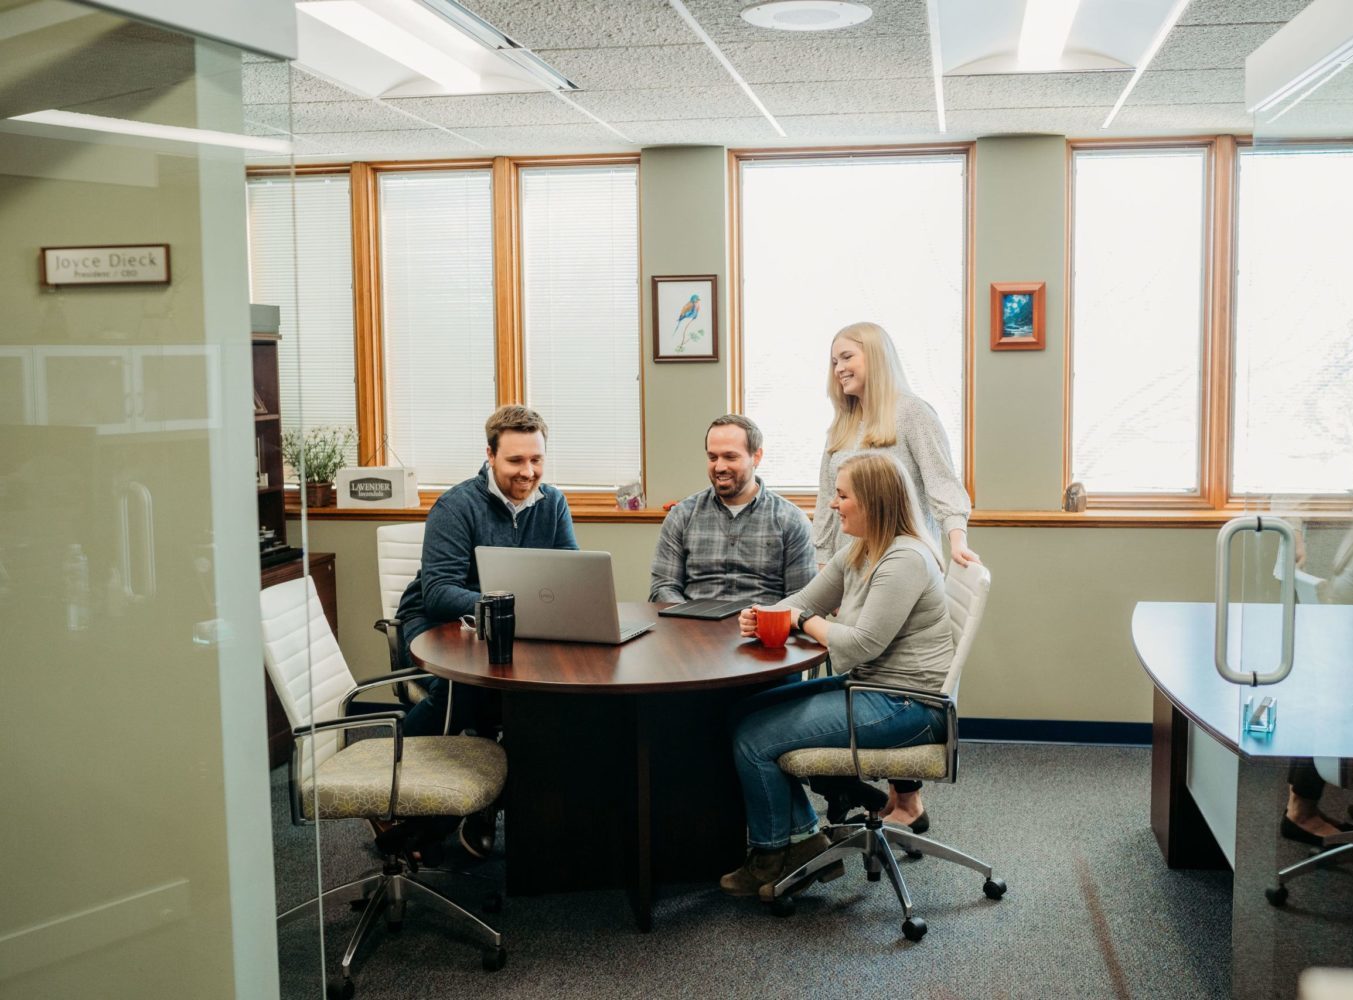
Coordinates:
[892,628]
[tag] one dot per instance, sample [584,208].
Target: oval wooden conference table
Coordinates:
[620,769]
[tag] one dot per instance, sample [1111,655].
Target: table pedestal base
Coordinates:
[620,792]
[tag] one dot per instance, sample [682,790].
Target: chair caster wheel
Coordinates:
[1276,896]
[782,906]
[493,903]
[914,855]
[873,876]
[358,904]
[494,959]
[339,988]
[994,888]
[914,929]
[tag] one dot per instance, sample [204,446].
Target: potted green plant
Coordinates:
[316,456]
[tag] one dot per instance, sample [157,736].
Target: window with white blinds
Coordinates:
[829,242]
[436,245]
[580,291]
[1138,258]
[302,262]
[1293,322]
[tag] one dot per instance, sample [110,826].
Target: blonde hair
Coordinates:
[875,412]
[885,496]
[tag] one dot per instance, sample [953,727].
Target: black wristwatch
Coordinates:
[803,619]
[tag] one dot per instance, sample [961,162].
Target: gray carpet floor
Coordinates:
[1092,911]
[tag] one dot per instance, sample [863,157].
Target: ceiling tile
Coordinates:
[1211,46]
[648,105]
[492,110]
[1035,121]
[1189,86]
[1199,118]
[268,83]
[883,57]
[832,129]
[409,144]
[1034,90]
[751,131]
[584,24]
[1242,11]
[348,116]
[849,96]
[639,67]
[587,137]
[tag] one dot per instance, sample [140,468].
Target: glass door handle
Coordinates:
[1288,591]
[138,562]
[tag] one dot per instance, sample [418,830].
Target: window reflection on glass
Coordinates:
[317,266]
[826,243]
[1294,322]
[1137,319]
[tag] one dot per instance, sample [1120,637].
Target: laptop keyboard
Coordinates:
[628,630]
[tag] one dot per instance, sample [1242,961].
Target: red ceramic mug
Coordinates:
[772,627]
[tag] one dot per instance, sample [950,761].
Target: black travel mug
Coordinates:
[498,623]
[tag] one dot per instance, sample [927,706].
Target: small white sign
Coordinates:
[132,264]
[380,486]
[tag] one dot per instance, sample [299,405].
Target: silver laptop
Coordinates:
[561,594]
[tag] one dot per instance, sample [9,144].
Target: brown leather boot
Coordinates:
[798,855]
[763,865]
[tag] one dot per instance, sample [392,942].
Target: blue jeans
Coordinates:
[812,714]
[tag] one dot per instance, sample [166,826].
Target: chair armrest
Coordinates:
[392,628]
[944,703]
[393,720]
[393,677]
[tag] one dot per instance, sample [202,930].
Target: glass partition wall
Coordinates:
[1292,459]
[136,856]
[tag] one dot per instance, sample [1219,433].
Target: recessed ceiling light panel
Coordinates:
[806,15]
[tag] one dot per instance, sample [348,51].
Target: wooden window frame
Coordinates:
[1214,501]
[509,330]
[737,353]
[1213,345]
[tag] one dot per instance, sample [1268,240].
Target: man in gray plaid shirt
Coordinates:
[736,540]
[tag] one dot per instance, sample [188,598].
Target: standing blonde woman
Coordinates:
[877,411]
[891,627]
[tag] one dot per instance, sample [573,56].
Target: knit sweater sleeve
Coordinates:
[919,431]
[826,525]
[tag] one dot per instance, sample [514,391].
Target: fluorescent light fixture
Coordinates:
[149,130]
[1171,19]
[397,34]
[416,48]
[1042,38]
[694,25]
[936,59]
[1301,57]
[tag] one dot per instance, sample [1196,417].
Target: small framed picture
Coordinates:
[1017,322]
[686,317]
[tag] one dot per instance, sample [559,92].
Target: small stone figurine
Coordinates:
[1074,498]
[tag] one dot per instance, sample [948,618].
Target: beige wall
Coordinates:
[1056,643]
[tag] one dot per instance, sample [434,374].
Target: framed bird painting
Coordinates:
[686,317]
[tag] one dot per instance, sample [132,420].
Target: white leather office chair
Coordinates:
[966,588]
[399,554]
[391,779]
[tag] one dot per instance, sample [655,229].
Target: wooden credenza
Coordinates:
[322,572]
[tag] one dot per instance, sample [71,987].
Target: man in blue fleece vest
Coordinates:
[508,503]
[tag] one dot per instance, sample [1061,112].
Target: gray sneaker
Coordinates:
[798,855]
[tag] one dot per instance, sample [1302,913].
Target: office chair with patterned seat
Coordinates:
[394,778]
[966,588]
